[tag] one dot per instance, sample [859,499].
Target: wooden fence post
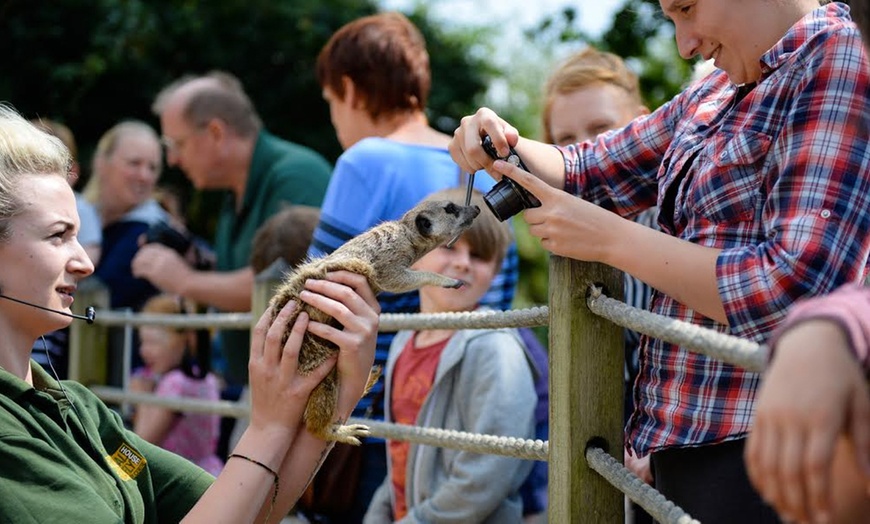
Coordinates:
[89,343]
[586,394]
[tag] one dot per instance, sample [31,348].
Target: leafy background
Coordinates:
[91,63]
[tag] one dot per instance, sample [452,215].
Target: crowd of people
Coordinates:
[741,205]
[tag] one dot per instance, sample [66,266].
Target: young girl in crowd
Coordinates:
[176,365]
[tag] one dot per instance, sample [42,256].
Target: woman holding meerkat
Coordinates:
[64,455]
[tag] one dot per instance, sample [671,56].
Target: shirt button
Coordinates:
[826,213]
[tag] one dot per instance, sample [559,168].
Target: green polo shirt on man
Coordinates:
[282,173]
[69,458]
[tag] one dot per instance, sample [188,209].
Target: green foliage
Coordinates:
[645,38]
[640,34]
[460,74]
[91,63]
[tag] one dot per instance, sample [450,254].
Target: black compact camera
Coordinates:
[181,242]
[163,233]
[507,198]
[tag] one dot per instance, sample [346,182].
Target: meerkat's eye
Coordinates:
[424,225]
[452,209]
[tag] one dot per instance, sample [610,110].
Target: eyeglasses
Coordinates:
[174,145]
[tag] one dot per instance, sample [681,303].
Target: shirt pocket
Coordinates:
[727,185]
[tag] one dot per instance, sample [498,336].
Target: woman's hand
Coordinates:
[278,393]
[465,146]
[813,394]
[639,466]
[544,160]
[349,299]
[567,225]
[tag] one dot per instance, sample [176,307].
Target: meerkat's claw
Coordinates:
[349,433]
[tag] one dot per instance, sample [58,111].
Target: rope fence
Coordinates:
[727,348]
[709,342]
[734,350]
[459,440]
[646,496]
[531,317]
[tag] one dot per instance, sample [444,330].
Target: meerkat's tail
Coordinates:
[374,375]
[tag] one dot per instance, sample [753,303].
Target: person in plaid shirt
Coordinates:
[761,172]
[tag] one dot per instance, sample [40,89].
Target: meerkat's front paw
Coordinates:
[348,434]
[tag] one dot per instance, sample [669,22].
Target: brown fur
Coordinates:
[383,255]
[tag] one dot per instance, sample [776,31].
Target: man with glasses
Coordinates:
[212,132]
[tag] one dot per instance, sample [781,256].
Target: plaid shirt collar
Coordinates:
[800,33]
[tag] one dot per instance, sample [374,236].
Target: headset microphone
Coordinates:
[89,316]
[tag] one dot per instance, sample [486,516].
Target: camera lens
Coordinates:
[504,200]
[507,198]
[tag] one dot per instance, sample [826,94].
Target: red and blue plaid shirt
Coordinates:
[778,178]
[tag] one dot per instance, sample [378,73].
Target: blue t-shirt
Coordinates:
[376,180]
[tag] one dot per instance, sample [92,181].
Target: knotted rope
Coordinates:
[461,440]
[531,317]
[660,508]
[717,345]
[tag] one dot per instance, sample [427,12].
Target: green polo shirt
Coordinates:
[281,173]
[77,463]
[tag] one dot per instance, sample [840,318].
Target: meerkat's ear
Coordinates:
[424,224]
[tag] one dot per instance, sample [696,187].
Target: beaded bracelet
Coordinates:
[270,470]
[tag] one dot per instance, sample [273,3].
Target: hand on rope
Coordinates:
[811,436]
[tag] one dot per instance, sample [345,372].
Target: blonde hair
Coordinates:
[25,150]
[106,148]
[583,69]
[63,132]
[487,236]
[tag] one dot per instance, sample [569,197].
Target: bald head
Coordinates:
[218,94]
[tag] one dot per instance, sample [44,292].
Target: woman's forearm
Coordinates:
[543,161]
[297,471]
[684,271]
[243,481]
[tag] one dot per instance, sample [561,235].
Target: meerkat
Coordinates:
[383,254]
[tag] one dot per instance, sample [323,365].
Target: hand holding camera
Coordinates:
[507,198]
[181,242]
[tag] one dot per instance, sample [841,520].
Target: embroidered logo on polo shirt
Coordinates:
[126,462]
